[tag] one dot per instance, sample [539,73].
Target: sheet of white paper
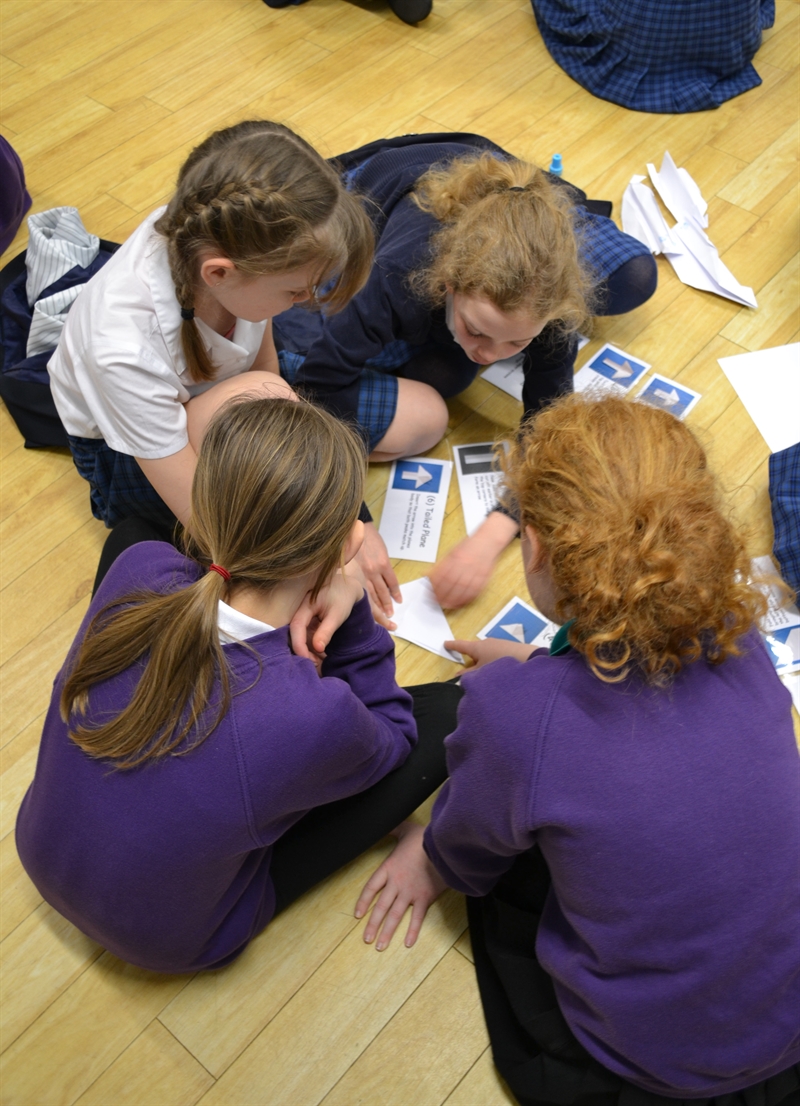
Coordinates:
[610,370]
[768,384]
[519,621]
[660,391]
[679,191]
[507,375]
[478,477]
[413,511]
[420,619]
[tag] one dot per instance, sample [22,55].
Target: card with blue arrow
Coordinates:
[414,508]
[519,621]
[610,370]
[670,396]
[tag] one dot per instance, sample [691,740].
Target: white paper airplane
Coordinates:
[619,370]
[516,630]
[686,246]
[669,399]
[421,476]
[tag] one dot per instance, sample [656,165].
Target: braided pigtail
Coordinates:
[260,196]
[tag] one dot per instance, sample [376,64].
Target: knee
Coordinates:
[631,285]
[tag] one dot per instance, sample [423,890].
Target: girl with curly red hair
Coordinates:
[627,826]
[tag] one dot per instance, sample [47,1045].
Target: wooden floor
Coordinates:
[103,99]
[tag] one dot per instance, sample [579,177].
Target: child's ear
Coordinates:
[214,270]
[537,554]
[354,542]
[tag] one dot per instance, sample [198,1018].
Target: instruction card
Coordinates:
[610,370]
[518,621]
[478,477]
[420,620]
[669,396]
[413,511]
[507,375]
[780,626]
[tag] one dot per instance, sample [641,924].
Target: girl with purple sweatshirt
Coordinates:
[202,764]
[627,827]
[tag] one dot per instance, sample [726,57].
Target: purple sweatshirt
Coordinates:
[167,864]
[670,821]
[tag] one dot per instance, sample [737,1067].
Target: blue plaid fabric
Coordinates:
[603,246]
[377,393]
[118,487]
[784,494]
[657,55]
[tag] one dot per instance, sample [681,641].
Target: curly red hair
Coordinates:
[643,555]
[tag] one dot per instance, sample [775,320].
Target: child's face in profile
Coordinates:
[487,334]
[256,298]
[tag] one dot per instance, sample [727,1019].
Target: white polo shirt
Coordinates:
[119,372]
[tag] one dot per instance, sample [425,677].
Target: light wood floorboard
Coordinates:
[103,100]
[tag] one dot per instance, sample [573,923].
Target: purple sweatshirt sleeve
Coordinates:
[482,817]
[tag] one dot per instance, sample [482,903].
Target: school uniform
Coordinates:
[169,865]
[119,377]
[631,857]
[346,361]
[670,56]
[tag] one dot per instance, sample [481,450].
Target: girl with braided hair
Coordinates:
[480,256]
[196,774]
[623,809]
[181,316]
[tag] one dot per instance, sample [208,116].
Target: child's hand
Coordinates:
[484,652]
[465,571]
[314,624]
[406,878]
[378,576]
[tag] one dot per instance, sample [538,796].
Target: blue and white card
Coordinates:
[610,370]
[414,508]
[780,626]
[670,396]
[508,376]
[478,478]
[519,621]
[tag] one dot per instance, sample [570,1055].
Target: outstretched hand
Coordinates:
[378,575]
[465,571]
[490,649]
[406,878]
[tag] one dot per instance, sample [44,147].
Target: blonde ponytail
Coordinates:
[275,495]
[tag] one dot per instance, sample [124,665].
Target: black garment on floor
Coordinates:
[331,836]
[533,1047]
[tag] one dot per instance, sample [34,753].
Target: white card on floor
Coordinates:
[413,511]
[518,621]
[421,620]
[610,370]
[508,375]
[670,396]
[478,476]
[768,384]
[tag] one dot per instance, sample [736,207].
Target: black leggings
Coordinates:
[549,359]
[331,836]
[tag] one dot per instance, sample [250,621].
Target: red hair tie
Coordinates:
[222,571]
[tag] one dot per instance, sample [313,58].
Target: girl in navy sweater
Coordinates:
[479,256]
